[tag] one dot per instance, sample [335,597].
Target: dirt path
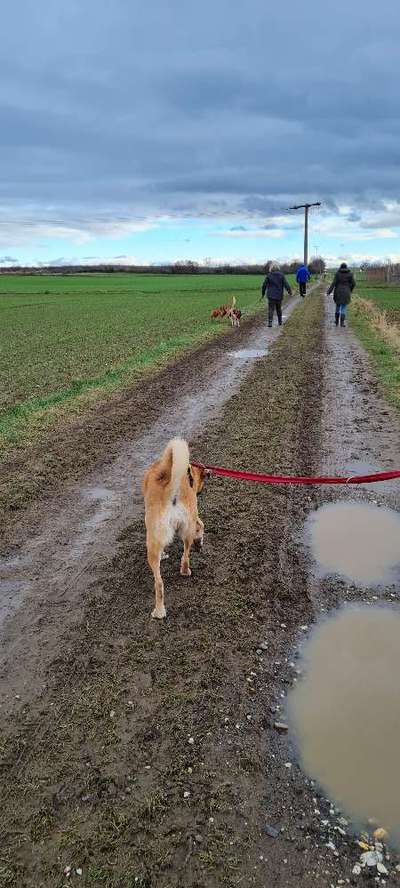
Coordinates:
[145,754]
[43,584]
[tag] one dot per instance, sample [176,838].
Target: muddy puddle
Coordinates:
[345,713]
[357,540]
[249,354]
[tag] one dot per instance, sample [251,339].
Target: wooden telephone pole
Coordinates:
[306,208]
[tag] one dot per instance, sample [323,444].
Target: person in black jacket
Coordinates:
[342,287]
[274,285]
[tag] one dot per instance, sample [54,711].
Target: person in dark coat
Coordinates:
[342,287]
[274,285]
[302,277]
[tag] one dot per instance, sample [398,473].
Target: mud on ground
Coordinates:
[33,474]
[150,757]
[95,771]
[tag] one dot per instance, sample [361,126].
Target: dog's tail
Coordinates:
[174,464]
[233,301]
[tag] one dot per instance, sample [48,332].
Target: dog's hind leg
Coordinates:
[154,553]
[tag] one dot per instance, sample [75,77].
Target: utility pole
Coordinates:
[306,208]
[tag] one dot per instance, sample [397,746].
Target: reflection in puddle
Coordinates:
[345,713]
[360,541]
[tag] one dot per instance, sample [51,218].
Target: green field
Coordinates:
[67,339]
[386,297]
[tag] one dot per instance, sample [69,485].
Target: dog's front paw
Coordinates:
[159,613]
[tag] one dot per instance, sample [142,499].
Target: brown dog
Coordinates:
[223,310]
[170,488]
[234,316]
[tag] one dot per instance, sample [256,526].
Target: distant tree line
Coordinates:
[316,266]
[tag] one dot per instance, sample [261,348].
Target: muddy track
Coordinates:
[145,754]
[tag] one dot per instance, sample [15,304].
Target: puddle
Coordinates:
[345,713]
[357,540]
[12,593]
[249,354]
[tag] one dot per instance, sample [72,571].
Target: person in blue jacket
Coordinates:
[302,276]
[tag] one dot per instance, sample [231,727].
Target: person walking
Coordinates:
[342,287]
[274,285]
[302,278]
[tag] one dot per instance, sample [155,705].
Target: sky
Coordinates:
[156,132]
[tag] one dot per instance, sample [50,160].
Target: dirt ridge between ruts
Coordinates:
[100,772]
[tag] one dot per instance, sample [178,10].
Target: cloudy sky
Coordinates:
[162,131]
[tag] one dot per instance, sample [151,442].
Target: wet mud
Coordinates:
[148,754]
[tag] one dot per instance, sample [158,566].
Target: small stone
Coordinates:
[112,713]
[382,869]
[198,838]
[211,820]
[288,765]
[283,626]
[191,741]
[259,652]
[371,858]
[281,726]
[67,871]
[380,835]
[304,628]
[190,770]
[186,795]
[264,646]
[248,718]
[79,871]
[356,870]
[271,831]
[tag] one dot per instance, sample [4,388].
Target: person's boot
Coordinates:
[342,321]
[337,318]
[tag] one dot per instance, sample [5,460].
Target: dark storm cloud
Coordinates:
[114,110]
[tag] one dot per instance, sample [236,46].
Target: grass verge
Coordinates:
[382,340]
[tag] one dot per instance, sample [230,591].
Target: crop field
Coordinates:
[384,296]
[65,340]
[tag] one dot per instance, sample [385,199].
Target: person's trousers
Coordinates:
[272,305]
[340,314]
[302,288]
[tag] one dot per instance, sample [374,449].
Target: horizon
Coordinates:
[134,138]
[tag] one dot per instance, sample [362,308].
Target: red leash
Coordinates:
[298,479]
